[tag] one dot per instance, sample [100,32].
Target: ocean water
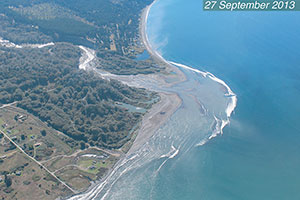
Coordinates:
[257,55]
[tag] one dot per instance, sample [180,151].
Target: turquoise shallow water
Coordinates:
[258,55]
[257,157]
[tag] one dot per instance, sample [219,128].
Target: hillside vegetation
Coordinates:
[48,83]
[111,27]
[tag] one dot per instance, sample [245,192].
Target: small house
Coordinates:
[37,144]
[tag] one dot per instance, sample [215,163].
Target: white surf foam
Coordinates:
[172,154]
[220,124]
[94,192]
[204,74]
[202,142]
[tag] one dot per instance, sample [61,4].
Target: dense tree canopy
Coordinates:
[47,83]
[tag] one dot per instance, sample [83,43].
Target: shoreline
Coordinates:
[155,55]
[160,112]
[171,66]
[169,103]
[156,117]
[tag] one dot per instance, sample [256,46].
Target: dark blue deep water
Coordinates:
[258,55]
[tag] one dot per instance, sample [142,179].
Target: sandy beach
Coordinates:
[157,116]
[169,102]
[155,55]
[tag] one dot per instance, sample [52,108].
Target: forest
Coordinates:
[47,83]
[75,20]
[123,65]
[111,27]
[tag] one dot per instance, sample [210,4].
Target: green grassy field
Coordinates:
[74,166]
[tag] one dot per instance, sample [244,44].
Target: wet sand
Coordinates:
[160,113]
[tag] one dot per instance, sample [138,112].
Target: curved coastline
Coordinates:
[153,120]
[229,93]
[143,33]
[147,129]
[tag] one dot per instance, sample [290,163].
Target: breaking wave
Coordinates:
[220,124]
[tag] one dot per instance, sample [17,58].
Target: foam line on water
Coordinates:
[204,74]
[220,124]
[229,93]
[172,154]
[94,192]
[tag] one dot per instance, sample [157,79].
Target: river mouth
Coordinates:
[206,106]
[199,118]
[257,55]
